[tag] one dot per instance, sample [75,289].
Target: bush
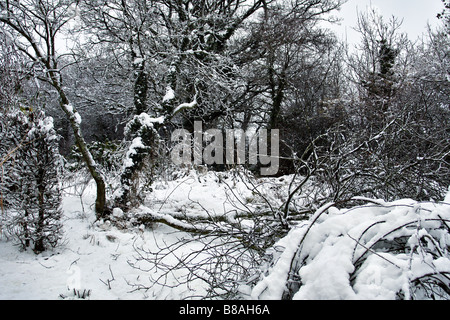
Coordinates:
[381,250]
[30,181]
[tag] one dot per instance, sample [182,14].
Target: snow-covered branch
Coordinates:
[338,252]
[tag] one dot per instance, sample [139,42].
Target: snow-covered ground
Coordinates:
[95,257]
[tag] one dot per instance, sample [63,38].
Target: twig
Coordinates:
[374,252]
[167,198]
[108,281]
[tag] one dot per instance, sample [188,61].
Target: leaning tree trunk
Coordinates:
[71,113]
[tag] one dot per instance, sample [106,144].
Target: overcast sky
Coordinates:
[415,14]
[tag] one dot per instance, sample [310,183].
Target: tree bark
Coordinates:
[100,202]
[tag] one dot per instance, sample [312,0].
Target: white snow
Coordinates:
[138,60]
[170,94]
[77,118]
[93,250]
[199,194]
[92,253]
[327,247]
[135,144]
[73,114]
[146,121]
[44,126]
[186,105]
[96,256]
[69,108]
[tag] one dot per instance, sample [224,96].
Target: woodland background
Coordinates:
[90,92]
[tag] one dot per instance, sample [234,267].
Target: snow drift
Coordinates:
[381,250]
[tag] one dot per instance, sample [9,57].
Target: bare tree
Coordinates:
[176,54]
[445,15]
[290,63]
[393,140]
[379,67]
[34,26]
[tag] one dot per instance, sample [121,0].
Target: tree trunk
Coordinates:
[130,175]
[140,91]
[100,202]
[39,241]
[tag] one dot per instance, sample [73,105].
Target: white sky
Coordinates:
[415,14]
